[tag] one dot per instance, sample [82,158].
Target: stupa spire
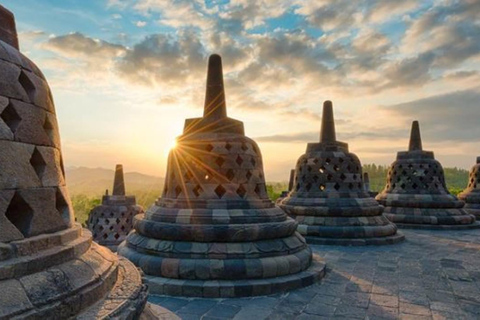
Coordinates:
[118,182]
[415,137]
[215,106]
[8,30]
[327,133]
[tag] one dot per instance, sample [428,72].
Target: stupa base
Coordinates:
[475,212]
[238,288]
[376,241]
[475,225]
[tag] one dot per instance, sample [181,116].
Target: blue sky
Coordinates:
[125,74]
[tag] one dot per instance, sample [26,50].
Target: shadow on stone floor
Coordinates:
[432,275]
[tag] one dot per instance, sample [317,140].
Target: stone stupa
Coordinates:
[416,196]
[49,267]
[111,221]
[328,199]
[471,195]
[214,232]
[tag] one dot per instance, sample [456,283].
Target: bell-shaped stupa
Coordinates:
[49,267]
[416,195]
[214,232]
[471,195]
[111,221]
[329,200]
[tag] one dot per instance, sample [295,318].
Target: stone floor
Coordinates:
[432,275]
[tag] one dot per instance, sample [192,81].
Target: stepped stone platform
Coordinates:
[49,267]
[328,197]
[111,221]
[432,275]
[471,195]
[416,195]
[214,232]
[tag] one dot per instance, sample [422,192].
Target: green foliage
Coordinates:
[275,189]
[82,205]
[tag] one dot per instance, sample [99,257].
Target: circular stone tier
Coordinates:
[471,195]
[416,195]
[329,200]
[63,275]
[214,232]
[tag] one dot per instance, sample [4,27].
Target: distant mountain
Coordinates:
[94,181]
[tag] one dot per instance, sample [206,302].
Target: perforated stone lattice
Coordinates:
[427,177]
[111,224]
[216,170]
[328,172]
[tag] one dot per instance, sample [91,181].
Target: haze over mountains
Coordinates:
[94,181]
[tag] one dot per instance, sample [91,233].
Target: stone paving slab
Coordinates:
[433,275]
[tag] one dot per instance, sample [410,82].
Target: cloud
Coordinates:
[141,24]
[448,117]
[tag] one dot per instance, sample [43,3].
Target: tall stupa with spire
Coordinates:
[214,232]
[329,200]
[416,196]
[49,266]
[112,220]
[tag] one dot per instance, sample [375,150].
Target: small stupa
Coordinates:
[416,196]
[111,221]
[329,200]
[290,186]
[471,195]
[214,232]
[49,267]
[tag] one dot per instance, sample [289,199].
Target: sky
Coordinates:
[126,74]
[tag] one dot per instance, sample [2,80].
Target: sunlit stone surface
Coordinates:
[111,221]
[49,267]
[471,195]
[329,200]
[214,232]
[416,196]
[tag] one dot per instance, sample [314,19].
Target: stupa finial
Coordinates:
[118,182]
[327,133]
[8,30]
[215,106]
[415,137]
[291,180]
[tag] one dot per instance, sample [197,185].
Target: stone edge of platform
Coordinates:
[378,241]
[239,288]
[475,225]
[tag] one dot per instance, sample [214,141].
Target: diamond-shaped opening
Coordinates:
[116,236]
[117,221]
[308,186]
[322,187]
[315,160]
[336,186]
[414,186]
[197,191]
[244,147]
[107,221]
[258,189]
[239,160]
[20,214]
[101,228]
[329,177]
[123,228]
[402,186]
[354,177]
[111,228]
[207,177]
[178,190]
[340,160]
[38,163]
[11,118]
[105,236]
[248,175]
[309,168]
[241,191]
[350,186]
[336,168]
[48,127]
[220,191]
[253,162]
[230,174]
[343,177]
[228,146]
[322,169]
[219,161]
[304,178]
[62,206]
[297,187]
[209,147]
[315,178]
[27,85]
[328,160]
